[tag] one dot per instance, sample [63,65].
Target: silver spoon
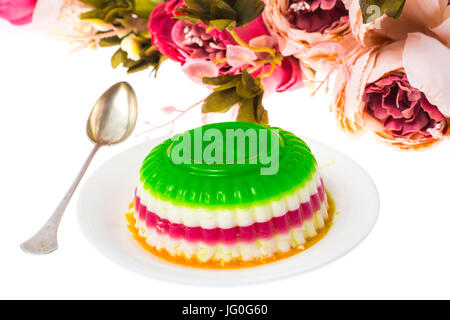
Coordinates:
[112,120]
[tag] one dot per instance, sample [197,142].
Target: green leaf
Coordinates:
[252,110]
[246,112]
[140,66]
[222,14]
[143,8]
[240,89]
[221,101]
[186,17]
[152,53]
[244,92]
[93,3]
[121,13]
[110,42]
[248,10]
[124,15]
[198,5]
[118,58]
[93,14]
[221,24]
[220,80]
[129,63]
[111,15]
[249,87]
[192,16]
[228,85]
[223,10]
[373,9]
[394,8]
[261,113]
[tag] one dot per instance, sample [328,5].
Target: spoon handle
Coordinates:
[45,240]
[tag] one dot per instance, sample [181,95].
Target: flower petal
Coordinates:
[263,41]
[327,4]
[417,16]
[238,56]
[393,124]
[356,85]
[389,59]
[196,70]
[433,111]
[420,122]
[286,77]
[293,41]
[18,12]
[429,75]
[443,30]
[131,46]
[160,26]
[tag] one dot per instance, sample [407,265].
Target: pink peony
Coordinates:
[209,53]
[316,15]
[321,25]
[395,107]
[396,93]
[17,12]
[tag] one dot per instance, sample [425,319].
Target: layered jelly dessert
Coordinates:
[230,195]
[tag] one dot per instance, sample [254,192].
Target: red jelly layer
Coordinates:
[258,230]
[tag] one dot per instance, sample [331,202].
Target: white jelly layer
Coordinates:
[207,218]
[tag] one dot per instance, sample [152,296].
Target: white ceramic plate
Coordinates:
[106,195]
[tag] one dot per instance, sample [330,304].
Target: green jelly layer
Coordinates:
[211,174]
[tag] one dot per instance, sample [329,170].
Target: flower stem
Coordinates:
[181,113]
[220,61]
[235,36]
[270,72]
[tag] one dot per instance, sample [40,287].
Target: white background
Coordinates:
[46,95]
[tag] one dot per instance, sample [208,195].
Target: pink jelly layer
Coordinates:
[258,230]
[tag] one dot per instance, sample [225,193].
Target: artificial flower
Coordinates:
[180,40]
[18,12]
[396,108]
[300,26]
[396,93]
[316,15]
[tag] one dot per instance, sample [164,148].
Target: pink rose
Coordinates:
[17,12]
[210,53]
[396,93]
[181,40]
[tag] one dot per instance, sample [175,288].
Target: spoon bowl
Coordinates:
[113,118]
